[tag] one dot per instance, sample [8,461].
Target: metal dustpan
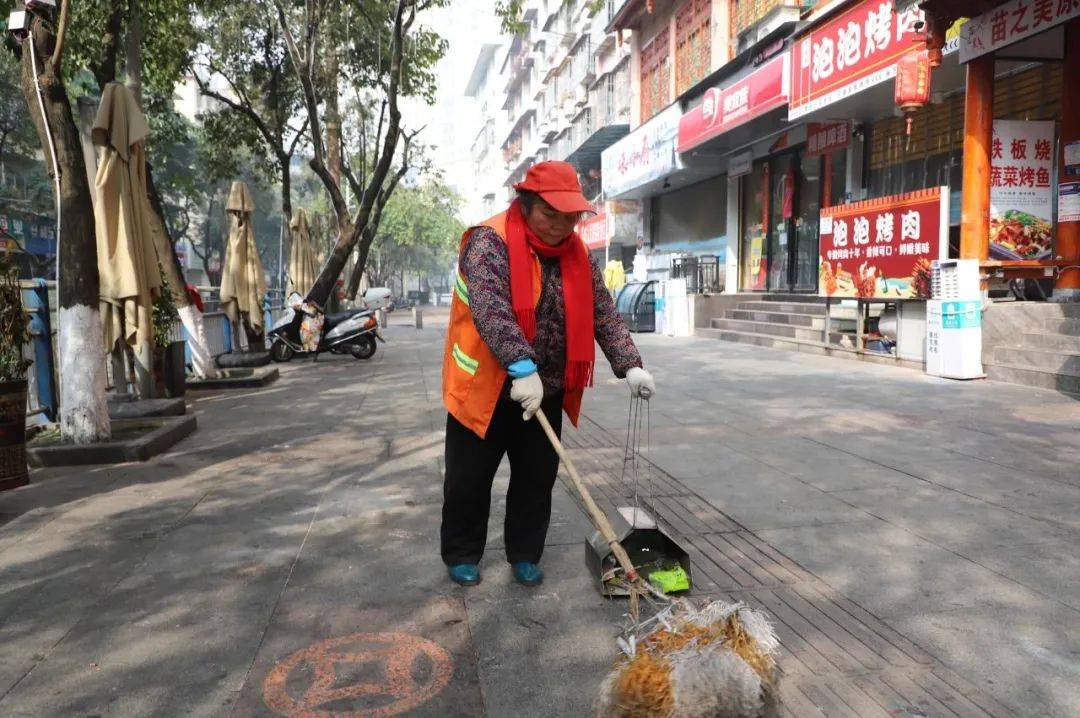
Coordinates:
[646,544]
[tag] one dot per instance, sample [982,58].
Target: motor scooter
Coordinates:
[354,331]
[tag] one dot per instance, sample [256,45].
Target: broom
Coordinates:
[715,660]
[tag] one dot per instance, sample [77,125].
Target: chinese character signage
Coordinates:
[824,137]
[1021,196]
[1011,22]
[722,109]
[851,53]
[593,231]
[883,247]
[646,154]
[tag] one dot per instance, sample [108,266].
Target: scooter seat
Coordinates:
[338,318]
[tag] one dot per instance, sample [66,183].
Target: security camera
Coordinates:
[19,24]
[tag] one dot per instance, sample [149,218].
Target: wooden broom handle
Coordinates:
[598,518]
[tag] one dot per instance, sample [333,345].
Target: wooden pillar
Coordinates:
[978,134]
[1067,285]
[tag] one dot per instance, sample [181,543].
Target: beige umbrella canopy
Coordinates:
[127,259]
[302,269]
[243,280]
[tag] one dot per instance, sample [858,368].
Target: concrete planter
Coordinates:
[13,471]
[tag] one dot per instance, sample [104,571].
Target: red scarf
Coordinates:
[577,282]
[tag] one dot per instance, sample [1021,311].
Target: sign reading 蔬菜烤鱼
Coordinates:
[883,247]
[824,137]
[1012,22]
[851,53]
[593,231]
[1021,192]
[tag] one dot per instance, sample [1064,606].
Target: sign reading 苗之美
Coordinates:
[1012,22]
[883,247]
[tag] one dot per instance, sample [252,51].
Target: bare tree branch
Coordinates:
[61,34]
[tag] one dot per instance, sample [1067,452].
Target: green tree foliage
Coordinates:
[418,234]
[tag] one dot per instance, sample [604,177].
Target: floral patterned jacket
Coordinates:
[485,263]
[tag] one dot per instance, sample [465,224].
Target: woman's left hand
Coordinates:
[641,383]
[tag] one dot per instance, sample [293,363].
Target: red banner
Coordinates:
[824,137]
[856,50]
[883,247]
[724,108]
[593,231]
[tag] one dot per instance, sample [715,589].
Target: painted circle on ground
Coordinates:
[401,671]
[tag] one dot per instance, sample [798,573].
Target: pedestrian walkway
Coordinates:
[910,537]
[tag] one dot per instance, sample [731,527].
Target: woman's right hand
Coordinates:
[529,392]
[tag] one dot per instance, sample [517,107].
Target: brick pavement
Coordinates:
[837,659]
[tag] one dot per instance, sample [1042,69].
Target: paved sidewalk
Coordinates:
[914,540]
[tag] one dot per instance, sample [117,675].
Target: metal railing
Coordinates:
[39,302]
[703,275]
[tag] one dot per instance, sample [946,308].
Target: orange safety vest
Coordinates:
[473,377]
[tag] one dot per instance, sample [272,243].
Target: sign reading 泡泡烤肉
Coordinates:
[1021,192]
[851,53]
[883,247]
[1014,21]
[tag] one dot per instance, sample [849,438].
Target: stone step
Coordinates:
[1069,326]
[1027,376]
[1051,341]
[770,341]
[817,310]
[1042,310]
[1058,362]
[801,320]
[786,331]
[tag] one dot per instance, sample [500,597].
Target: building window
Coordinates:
[693,44]
[655,75]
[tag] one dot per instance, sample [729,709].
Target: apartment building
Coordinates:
[559,90]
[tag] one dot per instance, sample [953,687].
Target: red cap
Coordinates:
[557,183]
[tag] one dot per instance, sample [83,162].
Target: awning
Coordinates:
[587,155]
[725,108]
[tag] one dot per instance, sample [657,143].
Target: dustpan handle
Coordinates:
[598,517]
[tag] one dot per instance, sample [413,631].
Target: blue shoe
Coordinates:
[527,574]
[464,574]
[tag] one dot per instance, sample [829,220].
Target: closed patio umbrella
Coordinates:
[243,280]
[302,270]
[127,258]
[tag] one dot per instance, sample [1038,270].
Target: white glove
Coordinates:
[529,392]
[641,383]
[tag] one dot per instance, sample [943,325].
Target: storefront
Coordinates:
[738,128]
[655,202]
[1021,142]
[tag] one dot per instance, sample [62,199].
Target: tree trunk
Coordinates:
[84,415]
[286,218]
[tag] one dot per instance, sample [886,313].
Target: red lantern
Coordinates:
[912,83]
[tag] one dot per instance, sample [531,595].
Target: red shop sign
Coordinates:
[853,52]
[824,137]
[724,108]
[883,247]
[593,231]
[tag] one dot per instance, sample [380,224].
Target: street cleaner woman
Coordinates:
[528,303]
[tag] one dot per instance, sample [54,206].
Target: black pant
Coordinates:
[471,463]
